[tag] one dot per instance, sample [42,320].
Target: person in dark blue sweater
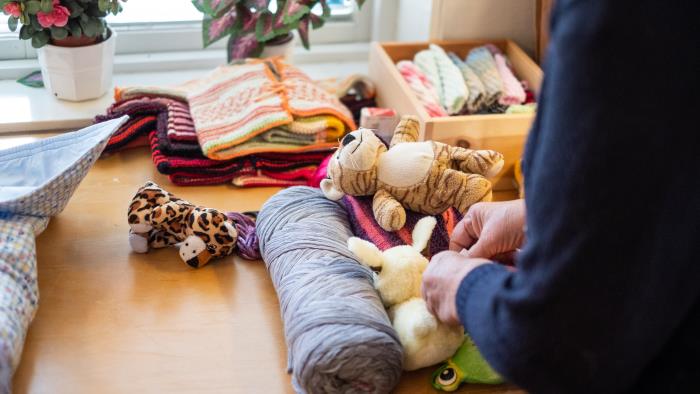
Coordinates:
[605,296]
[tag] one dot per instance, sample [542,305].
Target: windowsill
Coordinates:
[25,110]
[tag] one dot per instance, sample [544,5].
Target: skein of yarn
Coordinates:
[247,241]
[339,337]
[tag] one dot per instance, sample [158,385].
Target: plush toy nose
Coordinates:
[348,139]
[193,262]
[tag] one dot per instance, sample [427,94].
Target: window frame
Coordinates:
[186,36]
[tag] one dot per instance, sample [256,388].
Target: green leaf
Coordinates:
[263,28]
[75,29]
[39,39]
[32,6]
[294,11]
[199,5]
[213,29]
[303,31]
[46,6]
[12,23]
[26,32]
[326,9]
[360,3]
[35,23]
[32,80]
[59,33]
[103,5]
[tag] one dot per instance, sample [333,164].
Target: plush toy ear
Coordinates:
[231,230]
[367,253]
[422,232]
[330,191]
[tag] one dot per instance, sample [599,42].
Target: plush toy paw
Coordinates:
[138,242]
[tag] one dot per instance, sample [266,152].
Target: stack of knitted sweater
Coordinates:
[483,82]
[255,123]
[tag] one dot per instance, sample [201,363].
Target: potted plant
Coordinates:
[260,27]
[75,47]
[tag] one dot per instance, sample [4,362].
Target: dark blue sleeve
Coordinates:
[610,270]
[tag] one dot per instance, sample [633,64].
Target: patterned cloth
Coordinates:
[366,227]
[30,193]
[183,160]
[513,92]
[235,103]
[476,88]
[445,77]
[482,62]
[422,87]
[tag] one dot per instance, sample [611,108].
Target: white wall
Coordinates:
[460,19]
[413,20]
[420,20]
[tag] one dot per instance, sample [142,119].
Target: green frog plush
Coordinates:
[466,366]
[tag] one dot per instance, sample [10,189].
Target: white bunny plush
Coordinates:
[425,340]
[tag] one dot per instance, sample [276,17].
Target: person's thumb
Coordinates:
[483,248]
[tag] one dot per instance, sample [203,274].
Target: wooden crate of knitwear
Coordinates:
[505,133]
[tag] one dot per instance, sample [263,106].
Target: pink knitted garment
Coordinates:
[513,92]
[422,87]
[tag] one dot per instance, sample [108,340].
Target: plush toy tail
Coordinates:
[422,232]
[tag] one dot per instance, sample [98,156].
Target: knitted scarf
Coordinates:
[365,226]
[184,162]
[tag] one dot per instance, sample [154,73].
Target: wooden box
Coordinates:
[500,132]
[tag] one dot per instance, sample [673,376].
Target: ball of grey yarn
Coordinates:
[339,337]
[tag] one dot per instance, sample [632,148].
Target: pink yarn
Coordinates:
[422,87]
[513,92]
[321,172]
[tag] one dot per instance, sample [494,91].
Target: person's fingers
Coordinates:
[483,248]
[460,238]
[467,232]
[505,257]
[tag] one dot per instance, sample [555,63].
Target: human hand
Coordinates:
[491,230]
[441,282]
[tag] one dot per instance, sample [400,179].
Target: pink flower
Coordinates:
[58,17]
[12,9]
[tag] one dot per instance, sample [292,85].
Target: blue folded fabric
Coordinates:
[36,182]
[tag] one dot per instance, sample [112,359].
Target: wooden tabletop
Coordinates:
[111,321]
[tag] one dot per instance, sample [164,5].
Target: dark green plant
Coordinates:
[250,24]
[44,20]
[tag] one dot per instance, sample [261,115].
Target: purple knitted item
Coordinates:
[247,241]
[366,227]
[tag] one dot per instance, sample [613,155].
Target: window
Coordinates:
[148,26]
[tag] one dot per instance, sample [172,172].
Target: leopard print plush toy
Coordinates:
[427,177]
[159,219]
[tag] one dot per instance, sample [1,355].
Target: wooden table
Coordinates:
[111,321]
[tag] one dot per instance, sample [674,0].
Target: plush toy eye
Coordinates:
[447,377]
[348,139]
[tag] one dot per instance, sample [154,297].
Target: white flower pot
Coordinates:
[286,50]
[79,73]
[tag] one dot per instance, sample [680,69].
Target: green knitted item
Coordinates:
[445,76]
[282,136]
[466,366]
[477,91]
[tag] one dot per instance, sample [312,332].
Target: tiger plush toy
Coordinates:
[158,219]
[426,177]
